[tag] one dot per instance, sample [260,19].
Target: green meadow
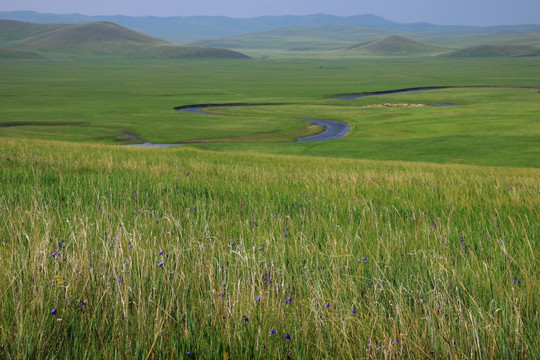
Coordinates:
[122,101]
[112,252]
[414,236]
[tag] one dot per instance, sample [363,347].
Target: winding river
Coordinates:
[332,129]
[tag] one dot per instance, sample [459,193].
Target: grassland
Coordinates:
[113,252]
[123,101]
[240,244]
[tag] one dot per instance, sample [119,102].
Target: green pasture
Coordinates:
[126,101]
[113,252]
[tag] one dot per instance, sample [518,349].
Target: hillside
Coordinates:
[11,31]
[396,45]
[89,38]
[18,54]
[110,250]
[105,38]
[495,50]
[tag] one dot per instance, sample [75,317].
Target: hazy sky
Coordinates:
[457,12]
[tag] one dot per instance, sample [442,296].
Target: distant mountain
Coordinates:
[325,28]
[495,50]
[326,37]
[181,29]
[101,38]
[396,45]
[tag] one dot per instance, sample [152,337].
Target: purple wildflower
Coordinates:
[160,264]
[353,311]
[327,305]
[287,336]
[245,319]
[53,312]
[119,280]
[160,252]
[82,303]
[258,298]
[53,254]
[272,331]
[289,299]
[261,248]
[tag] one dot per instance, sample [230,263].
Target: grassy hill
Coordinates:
[396,45]
[18,54]
[495,50]
[11,31]
[296,38]
[105,38]
[87,37]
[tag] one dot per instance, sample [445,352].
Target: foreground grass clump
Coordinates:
[109,252]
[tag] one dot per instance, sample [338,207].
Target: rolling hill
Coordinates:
[105,38]
[396,45]
[90,37]
[18,54]
[11,30]
[296,38]
[495,50]
[186,29]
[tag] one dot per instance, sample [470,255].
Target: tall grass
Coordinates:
[181,253]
